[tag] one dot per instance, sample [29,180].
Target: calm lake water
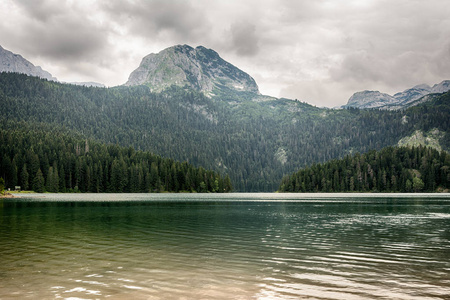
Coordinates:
[234,246]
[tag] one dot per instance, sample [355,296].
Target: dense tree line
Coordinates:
[255,142]
[392,169]
[2,186]
[42,158]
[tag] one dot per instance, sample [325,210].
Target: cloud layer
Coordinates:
[316,51]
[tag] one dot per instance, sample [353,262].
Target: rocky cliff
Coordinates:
[407,98]
[11,62]
[199,68]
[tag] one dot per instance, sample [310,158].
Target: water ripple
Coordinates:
[242,250]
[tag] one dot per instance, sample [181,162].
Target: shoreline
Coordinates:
[7,195]
[271,196]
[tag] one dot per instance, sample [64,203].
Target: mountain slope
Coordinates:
[256,143]
[201,69]
[401,100]
[10,62]
[370,99]
[413,93]
[190,105]
[392,169]
[70,163]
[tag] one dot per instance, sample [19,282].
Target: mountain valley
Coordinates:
[190,105]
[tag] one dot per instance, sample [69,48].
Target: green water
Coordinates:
[234,246]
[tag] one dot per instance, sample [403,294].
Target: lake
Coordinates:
[225,246]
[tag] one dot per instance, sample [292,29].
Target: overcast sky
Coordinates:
[318,51]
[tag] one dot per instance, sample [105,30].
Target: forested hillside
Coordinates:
[392,169]
[255,142]
[42,158]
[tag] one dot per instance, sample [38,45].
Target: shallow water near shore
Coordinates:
[228,246]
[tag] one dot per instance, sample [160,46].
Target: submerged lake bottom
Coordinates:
[228,246]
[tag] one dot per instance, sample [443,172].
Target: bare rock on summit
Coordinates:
[11,62]
[199,68]
[442,87]
[409,97]
[369,99]
[413,93]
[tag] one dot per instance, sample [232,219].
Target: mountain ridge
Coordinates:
[199,68]
[12,62]
[400,100]
[256,143]
[203,69]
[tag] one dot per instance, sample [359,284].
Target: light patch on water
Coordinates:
[132,287]
[77,289]
[94,275]
[125,280]
[439,215]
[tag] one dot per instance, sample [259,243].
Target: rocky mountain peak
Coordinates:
[11,62]
[442,87]
[369,99]
[200,68]
[409,97]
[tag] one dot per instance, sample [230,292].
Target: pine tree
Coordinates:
[39,182]
[2,186]
[417,184]
[49,186]
[408,186]
[7,171]
[24,178]
[62,179]
[227,184]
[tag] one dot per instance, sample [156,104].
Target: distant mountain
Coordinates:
[407,98]
[208,113]
[413,93]
[442,87]
[254,142]
[11,62]
[199,68]
[370,99]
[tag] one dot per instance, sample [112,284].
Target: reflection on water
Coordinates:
[205,247]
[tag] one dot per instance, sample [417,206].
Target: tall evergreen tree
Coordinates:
[2,186]
[24,178]
[39,182]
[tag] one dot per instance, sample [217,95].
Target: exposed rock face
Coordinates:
[369,99]
[10,62]
[200,68]
[412,94]
[407,98]
[442,87]
[420,138]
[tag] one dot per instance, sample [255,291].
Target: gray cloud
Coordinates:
[64,34]
[244,39]
[150,19]
[67,39]
[317,51]
[41,10]
[441,62]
